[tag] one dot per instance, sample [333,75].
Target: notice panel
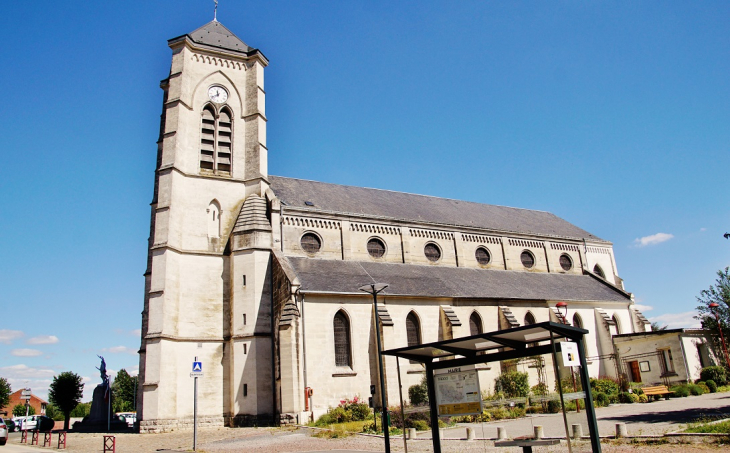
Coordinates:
[457,392]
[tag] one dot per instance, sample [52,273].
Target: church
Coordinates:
[257,276]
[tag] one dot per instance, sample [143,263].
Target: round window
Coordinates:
[565,262]
[376,248]
[310,243]
[528,259]
[482,255]
[432,252]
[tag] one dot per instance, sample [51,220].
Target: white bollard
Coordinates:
[501,433]
[411,433]
[442,433]
[469,434]
[577,431]
[621,430]
[539,434]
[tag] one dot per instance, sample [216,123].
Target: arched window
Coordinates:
[598,271]
[214,219]
[618,324]
[342,340]
[475,324]
[413,329]
[216,133]
[529,319]
[577,322]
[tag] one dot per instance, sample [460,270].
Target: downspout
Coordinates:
[684,357]
[273,341]
[304,355]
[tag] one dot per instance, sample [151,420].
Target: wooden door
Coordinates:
[635,372]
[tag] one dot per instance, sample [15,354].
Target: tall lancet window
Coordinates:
[214,220]
[216,134]
[342,340]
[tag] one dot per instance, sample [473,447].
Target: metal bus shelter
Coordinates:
[510,344]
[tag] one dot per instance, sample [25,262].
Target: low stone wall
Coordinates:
[167,425]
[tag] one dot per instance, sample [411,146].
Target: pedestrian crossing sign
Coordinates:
[197,367]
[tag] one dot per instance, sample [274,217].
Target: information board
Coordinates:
[457,392]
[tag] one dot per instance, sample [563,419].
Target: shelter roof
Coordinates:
[336,276]
[519,338]
[402,206]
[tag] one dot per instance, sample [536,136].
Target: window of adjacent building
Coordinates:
[310,243]
[528,259]
[598,271]
[482,256]
[565,262]
[666,361]
[475,324]
[214,220]
[216,134]
[376,248]
[432,252]
[342,340]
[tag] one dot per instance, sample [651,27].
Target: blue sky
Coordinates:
[612,115]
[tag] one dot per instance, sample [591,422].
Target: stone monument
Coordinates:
[101,419]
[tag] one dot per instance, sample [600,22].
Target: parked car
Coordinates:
[11,425]
[27,423]
[129,417]
[3,432]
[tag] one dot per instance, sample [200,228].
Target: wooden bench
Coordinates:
[656,391]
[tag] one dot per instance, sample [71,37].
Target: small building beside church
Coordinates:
[257,275]
[37,403]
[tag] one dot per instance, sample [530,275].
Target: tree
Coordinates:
[5,392]
[65,393]
[656,327]
[719,293]
[53,412]
[123,391]
[19,410]
[82,410]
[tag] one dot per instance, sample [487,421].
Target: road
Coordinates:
[14,447]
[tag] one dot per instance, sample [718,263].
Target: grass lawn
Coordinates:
[708,427]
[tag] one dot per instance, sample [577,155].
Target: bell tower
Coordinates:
[211,156]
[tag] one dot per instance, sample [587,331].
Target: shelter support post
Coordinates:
[590,410]
[435,437]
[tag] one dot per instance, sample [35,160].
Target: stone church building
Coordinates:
[257,275]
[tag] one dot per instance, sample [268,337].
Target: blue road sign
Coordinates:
[197,367]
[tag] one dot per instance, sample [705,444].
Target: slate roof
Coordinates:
[215,34]
[334,276]
[420,208]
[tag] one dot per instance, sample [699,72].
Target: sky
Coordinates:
[611,115]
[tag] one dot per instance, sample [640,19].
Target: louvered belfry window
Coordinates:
[216,137]
[475,324]
[342,340]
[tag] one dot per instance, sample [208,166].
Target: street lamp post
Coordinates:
[713,306]
[374,289]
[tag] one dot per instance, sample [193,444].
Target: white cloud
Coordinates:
[643,308]
[678,320]
[654,239]
[22,376]
[135,332]
[703,229]
[7,336]
[26,352]
[120,350]
[43,339]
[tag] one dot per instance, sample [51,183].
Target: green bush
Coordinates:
[643,398]
[696,390]
[420,425]
[601,399]
[628,398]
[553,406]
[714,373]
[539,389]
[704,387]
[514,384]
[418,394]
[605,385]
[680,391]
[711,386]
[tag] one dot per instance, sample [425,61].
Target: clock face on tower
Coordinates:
[217,94]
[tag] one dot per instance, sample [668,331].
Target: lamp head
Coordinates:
[713,305]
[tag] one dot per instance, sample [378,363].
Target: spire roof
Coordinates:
[215,34]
